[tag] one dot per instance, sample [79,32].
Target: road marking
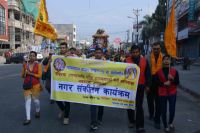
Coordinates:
[10,76]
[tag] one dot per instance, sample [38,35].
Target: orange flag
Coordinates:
[170,34]
[42,26]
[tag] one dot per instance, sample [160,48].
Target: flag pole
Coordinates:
[170,44]
[173,6]
[170,38]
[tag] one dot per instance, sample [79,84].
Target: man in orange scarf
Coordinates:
[152,96]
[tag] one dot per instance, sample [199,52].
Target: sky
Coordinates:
[89,15]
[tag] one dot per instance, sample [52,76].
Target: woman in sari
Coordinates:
[32,72]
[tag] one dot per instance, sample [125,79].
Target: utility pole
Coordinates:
[136,12]
[89,4]
[128,32]
[133,34]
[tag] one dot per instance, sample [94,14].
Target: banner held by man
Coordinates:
[94,82]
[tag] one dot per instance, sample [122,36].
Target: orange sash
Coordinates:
[155,66]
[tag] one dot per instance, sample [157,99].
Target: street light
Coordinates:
[130,17]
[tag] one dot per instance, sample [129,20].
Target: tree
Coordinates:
[160,17]
[147,27]
[147,30]
[157,22]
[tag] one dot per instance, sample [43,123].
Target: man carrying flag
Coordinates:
[167,77]
[167,80]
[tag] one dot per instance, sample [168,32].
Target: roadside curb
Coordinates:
[6,64]
[189,91]
[196,65]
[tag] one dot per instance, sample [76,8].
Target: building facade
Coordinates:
[20,26]
[3,23]
[188,27]
[68,31]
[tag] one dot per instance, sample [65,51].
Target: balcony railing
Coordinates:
[15,23]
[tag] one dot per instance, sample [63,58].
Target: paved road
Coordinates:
[190,79]
[115,120]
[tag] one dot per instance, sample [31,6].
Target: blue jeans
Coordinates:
[172,104]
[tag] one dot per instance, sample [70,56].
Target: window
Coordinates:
[27,20]
[9,13]
[17,45]
[17,15]
[10,33]
[27,35]
[4,46]
[33,23]
[2,21]
[18,34]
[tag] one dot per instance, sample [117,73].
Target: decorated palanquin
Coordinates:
[100,39]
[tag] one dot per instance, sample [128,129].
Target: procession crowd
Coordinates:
[158,80]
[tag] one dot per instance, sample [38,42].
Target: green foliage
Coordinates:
[155,24]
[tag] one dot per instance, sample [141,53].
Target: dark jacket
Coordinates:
[46,75]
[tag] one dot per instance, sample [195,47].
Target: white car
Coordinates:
[39,57]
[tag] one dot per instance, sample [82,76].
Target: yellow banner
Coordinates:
[43,14]
[42,26]
[45,29]
[94,82]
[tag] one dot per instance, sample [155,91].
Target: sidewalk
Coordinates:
[2,60]
[190,80]
[197,63]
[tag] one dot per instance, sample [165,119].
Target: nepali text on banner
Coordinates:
[94,82]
